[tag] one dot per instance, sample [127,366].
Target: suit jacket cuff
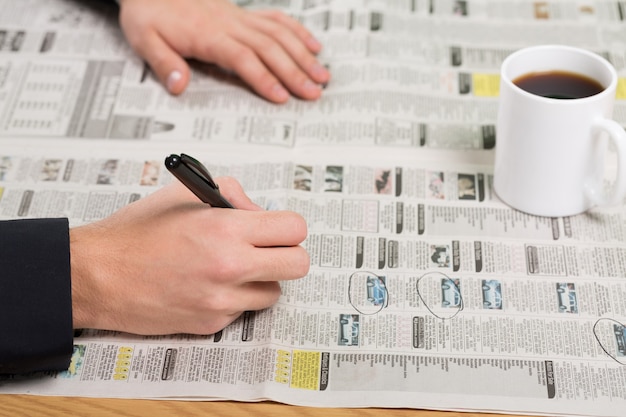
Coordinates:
[35,295]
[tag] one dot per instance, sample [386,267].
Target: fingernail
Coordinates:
[319,71]
[172,79]
[310,85]
[279,92]
[313,43]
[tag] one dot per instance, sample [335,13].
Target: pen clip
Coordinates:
[197,167]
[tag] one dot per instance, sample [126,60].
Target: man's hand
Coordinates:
[171,264]
[270,51]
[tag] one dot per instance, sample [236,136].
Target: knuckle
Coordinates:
[274,34]
[213,326]
[269,46]
[227,269]
[241,55]
[274,295]
[219,304]
[227,181]
[276,15]
[240,58]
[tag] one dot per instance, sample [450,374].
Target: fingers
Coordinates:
[281,264]
[234,301]
[296,41]
[274,55]
[276,228]
[268,248]
[169,67]
[301,32]
[253,297]
[231,54]
[270,239]
[281,46]
[256,296]
[276,51]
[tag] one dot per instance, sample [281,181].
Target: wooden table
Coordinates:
[33,406]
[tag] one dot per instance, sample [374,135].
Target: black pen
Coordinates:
[197,178]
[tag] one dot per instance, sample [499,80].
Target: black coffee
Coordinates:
[559,84]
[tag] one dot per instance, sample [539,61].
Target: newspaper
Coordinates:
[425,291]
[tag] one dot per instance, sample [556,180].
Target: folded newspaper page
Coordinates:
[425,290]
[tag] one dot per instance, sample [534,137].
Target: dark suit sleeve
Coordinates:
[35,295]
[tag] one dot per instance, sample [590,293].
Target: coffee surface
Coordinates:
[559,84]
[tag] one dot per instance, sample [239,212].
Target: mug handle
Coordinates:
[595,192]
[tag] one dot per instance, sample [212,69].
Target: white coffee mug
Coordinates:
[550,152]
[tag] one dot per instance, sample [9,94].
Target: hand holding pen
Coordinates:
[169,263]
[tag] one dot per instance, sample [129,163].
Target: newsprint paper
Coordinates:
[425,291]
